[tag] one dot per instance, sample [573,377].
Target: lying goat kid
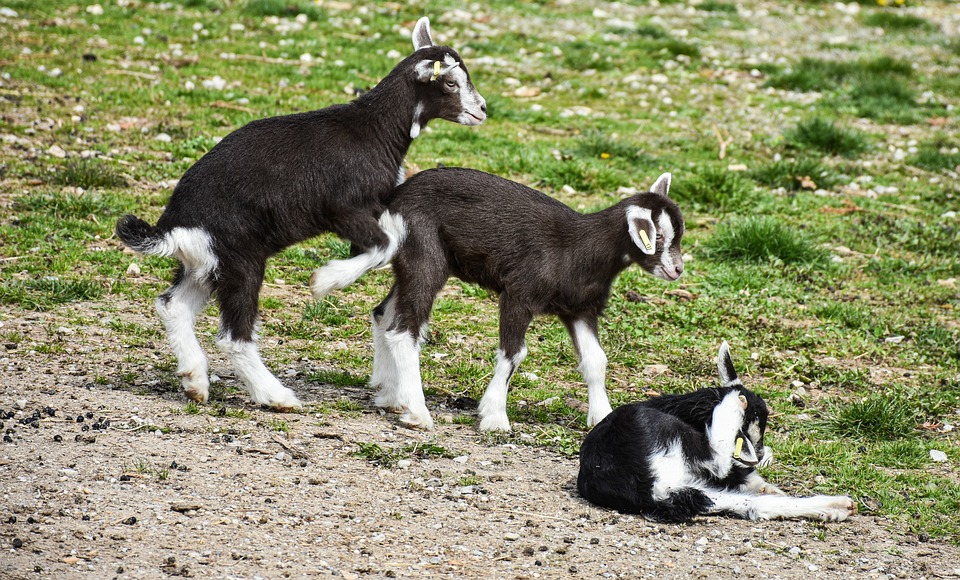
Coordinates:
[675,457]
[540,255]
[281,180]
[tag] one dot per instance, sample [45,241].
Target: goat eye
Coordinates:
[451,84]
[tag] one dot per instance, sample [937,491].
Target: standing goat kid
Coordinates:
[281,180]
[538,254]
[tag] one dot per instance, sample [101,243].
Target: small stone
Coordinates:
[511,537]
[129,521]
[133,269]
[17,543]
[57,151]
[163,138]
[938,456]
[21,404]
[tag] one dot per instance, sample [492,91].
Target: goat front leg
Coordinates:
[593,366]
[379,239]
[514,320]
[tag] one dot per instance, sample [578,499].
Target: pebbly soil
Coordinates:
[142,489]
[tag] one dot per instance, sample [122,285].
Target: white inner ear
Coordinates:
[662,185]
[639,220]
[421,34]
[424,70]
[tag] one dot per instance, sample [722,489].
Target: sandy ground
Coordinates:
[161,492]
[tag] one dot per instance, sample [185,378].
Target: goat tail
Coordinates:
[140,236]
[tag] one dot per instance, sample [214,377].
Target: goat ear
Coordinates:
[641,228]
[728,374]
[430,70]
[662,185]
[421,34]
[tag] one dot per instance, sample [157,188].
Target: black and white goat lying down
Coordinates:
[541,257]
[281,180]
[675,457]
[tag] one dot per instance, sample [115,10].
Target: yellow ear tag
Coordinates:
[736,452]
[645,239]
[436,71]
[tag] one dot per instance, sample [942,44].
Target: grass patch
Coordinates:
[826,137]
[88,174]
[813,74]
[284,8]
[47,293]
[388,457]
[794,175]
[713,188]
[760,239]
[938,154]
[895,22]
[881,417]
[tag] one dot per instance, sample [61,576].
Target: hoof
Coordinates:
[417,421]
[495,422]
[321,285]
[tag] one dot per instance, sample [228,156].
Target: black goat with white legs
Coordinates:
[540,255]
[676,457]
[281,180]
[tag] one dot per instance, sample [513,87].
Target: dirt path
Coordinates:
[161,492]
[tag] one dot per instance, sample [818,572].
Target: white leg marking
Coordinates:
[493,405]
[825,508]
[264,388]
[757,484]
[385,373]
[178,310]
[338,274]
[593,367]
[408,392]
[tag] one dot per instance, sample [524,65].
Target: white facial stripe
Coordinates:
[450,61]
[666,230]
[754,432]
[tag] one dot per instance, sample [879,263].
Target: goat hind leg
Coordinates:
[379,238]
[238,293]
[178,308]
[384,375]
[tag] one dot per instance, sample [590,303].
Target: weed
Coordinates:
[287,8]
[713,188]
[278,425]
[88,174]
[826,137]
[938,154]
[192,408]
[759,239]
[892,21]
[45,293]
[879,417]
[340,378]
[794,175]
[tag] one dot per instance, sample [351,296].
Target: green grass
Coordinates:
[794,175]
[894,22]
[827,138]
[622,100]
[713,188]
[760,239]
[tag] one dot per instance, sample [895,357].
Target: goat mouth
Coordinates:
[480,118]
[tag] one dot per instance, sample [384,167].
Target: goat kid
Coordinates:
[675,457]
[281,180]
[538,254]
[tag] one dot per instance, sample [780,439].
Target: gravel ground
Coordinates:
[140,489]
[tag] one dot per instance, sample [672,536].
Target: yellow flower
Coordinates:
[604,156]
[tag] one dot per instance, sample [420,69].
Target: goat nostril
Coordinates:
[483,107]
